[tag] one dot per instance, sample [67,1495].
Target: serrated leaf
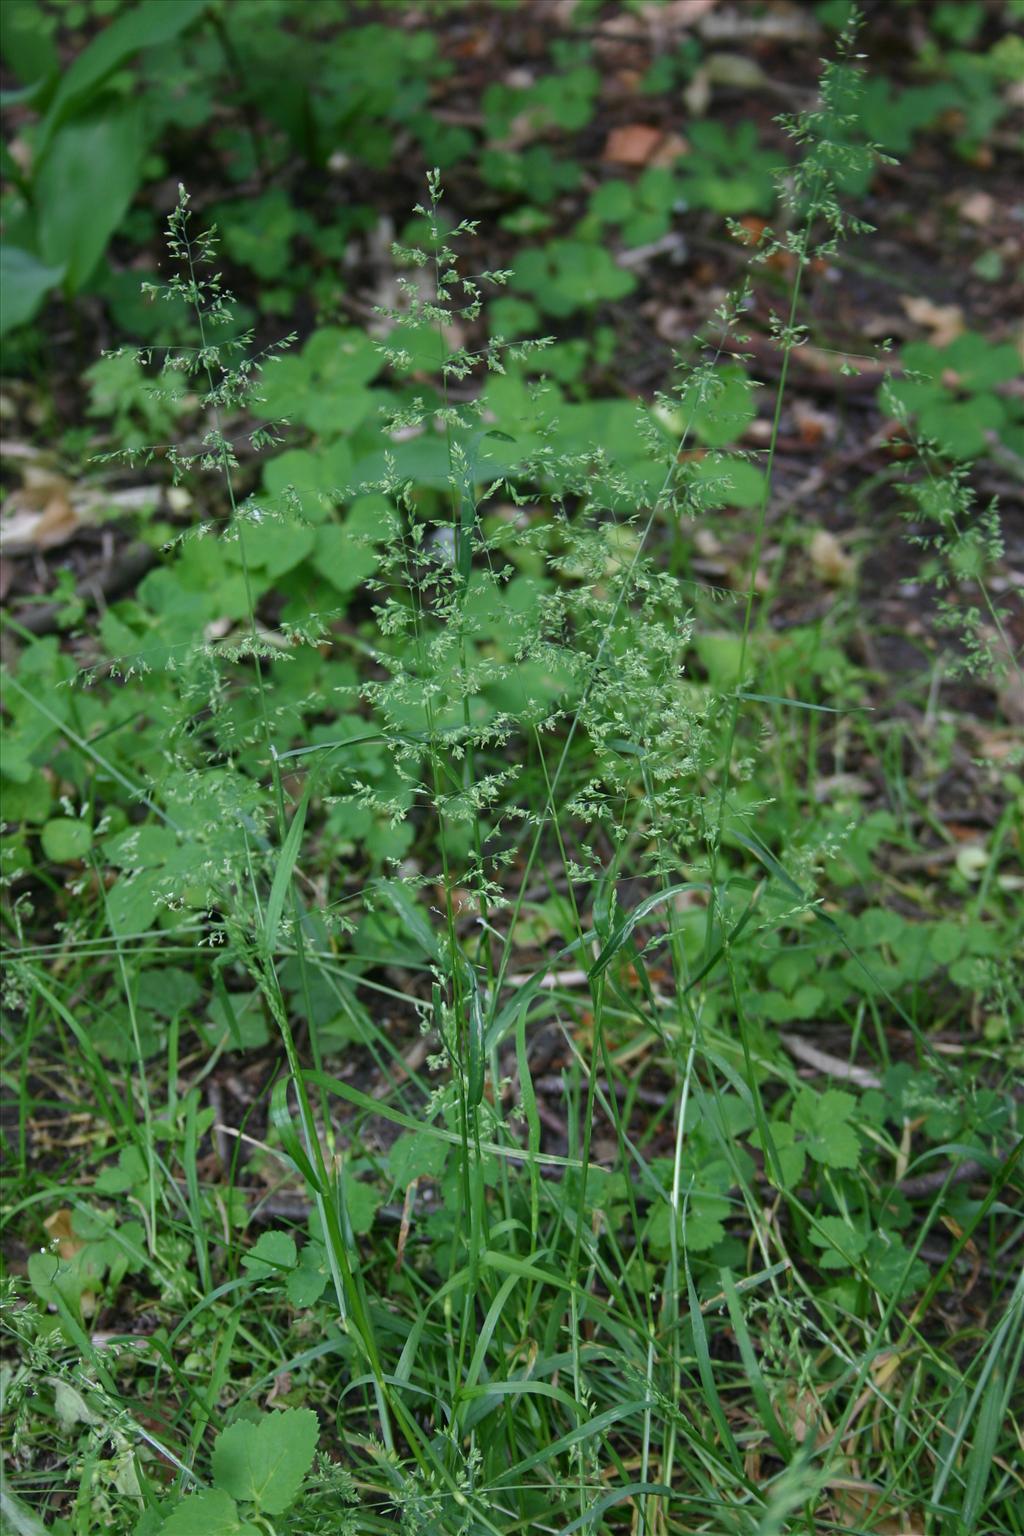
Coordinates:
[702,1223]
[273,1254]
[892,1273]
[415,1157]
[265,1464]
[362,1202]
[823,1120]
[209,1513]
[305,1285]
[789,1153]
[842,1244]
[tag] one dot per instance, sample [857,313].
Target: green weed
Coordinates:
[420,803]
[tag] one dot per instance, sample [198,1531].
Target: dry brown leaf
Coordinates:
[830,560]
[1011,697]
[682,13]
[38,516]
[664,16]
[672,148]
[784,23]
[943,322]
[806,1416]
[814,425]
[735,71]
[978,207]
[58,1226]
[998,746]
[862,1506]
[840,786]
[707,543]
[632,144]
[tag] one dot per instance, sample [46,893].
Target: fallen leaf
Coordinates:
[782,24]
[633,144]
[672,148]
[697,92]
[972,861]
[830,560]
[838,786]
[38,516]
[814,426]
[707,543]
[978,207]
[662,17]
[806,1415]
[735,71]
[680,13]
[58,1226]
[943,322]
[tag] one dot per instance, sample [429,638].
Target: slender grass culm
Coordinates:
[533,1220]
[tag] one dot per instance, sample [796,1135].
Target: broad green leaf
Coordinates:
[132,904]
[24,283]
[843,1245]
[325,386]
[342,558]
[209,1513]
[789,1154]
[26,44]
[719,408]
[168,991]
[265,1463]
[66,839]
[362,1203]
[142,847]
[50,1277]
[142,26]
[317,477]
[305,1285]
[274,546]
[719,653]
[415,923]
[702,1223]
[85,182]
[273,1254]
[889,1265]
[413,1157]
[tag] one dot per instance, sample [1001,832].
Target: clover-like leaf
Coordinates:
[842,1244]
[823,1121]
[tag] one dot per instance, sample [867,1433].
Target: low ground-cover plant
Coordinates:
[413,779]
